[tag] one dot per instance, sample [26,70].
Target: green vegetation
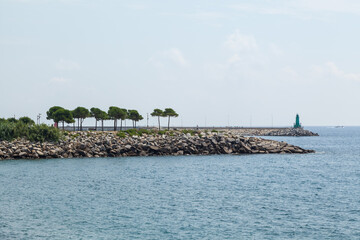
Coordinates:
[141,132]
[95,113]
[192,132]
[162,132]
[169,112]
[63,115]
[50,113]
[13,120]
[134,132]
[145,131]
[99,115]
[60,114]
[134,116]
[35,133]
[116,113]
[26,120]
[214,131]
[104,116]
[157,113]
[121,134]
[81,114]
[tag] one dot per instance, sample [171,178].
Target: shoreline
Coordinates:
[174,143]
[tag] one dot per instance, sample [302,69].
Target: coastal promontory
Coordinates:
[122,144]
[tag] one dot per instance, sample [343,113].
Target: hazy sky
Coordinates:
[214,62]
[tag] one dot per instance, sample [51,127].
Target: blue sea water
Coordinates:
[312,196]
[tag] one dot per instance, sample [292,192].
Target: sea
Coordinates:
[280,196]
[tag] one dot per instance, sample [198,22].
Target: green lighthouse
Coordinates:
[297,123]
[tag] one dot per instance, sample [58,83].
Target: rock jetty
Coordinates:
[108,144]
[290,132]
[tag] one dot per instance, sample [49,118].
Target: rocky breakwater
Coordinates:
[290,132]
[107,144]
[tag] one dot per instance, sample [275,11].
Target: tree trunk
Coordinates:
[63,126]
[102,125]
[169,124]
[81,121]
[159,122]
[78,124]
[121,125]
[114,124]
[74,126]
[135,124]
[96,124]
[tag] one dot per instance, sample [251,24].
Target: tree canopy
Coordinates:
[134,116]
[95,113]
[63,115]
[50,113]
[169,112]
[157,113]
[116,113]
[103,116]
[80,113]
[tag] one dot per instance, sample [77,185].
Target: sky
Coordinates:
[217,63]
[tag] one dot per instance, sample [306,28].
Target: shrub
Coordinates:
[34,133]
[144,131]
[215,131]
[42,133]
[121,134]
[7,130]
[162,132]
[131,132]
[13,120]
[26,120]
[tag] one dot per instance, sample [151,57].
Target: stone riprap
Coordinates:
[291,132]
[108,144]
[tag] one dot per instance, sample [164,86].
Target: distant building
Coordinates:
[297,122]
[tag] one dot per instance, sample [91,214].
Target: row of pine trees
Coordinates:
[61,115]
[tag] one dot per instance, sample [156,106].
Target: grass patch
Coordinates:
[121,134]
[135,132]
[192,132]
[162,132]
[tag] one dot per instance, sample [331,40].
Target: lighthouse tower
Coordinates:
[297,122]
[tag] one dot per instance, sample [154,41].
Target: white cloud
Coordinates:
[243,50]
[173,55]
[176,56]
[344,6]
[234,58]
[330,69]
[238,42]
[67,65]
